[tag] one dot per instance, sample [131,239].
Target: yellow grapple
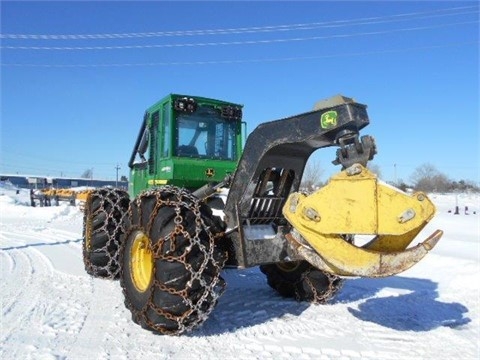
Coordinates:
[356,202]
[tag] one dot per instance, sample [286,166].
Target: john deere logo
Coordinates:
[328,119]
[210,172]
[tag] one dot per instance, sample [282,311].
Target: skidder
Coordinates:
[169,238]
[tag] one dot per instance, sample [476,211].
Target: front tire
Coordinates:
[102,227]
[301,281]
[170,261]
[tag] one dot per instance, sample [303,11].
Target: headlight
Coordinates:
[232,112]
[185,104]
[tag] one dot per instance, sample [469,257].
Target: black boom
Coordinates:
[272,166]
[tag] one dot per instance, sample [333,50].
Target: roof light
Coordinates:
[231,112]
[185,104]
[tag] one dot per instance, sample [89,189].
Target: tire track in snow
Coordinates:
[22,269]
[102,311]
[30,270]
[102,300]
[46,311]
[88,341]
[21,273]
[7,264]
[54,245]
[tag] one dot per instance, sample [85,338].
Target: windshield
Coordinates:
[205,134]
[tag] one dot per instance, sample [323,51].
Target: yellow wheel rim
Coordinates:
[141,262]
[288,266]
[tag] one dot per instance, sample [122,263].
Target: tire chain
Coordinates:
[200,309]
[334,285]
[113,211]
[335,282]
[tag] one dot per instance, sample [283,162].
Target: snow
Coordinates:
[51,309]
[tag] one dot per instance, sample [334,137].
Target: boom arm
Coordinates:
[272,165]
[288,143]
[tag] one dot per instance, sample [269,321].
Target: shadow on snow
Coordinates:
[41,244]
[412,305]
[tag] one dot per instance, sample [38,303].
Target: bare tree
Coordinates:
[427,178]
[311,176]
[424,171]
[87,174]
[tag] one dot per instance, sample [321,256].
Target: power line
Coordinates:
[257,29]
[244,42]
[240,61]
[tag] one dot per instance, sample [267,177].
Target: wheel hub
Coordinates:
[141,262]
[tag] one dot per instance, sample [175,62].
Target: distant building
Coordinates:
[42,182]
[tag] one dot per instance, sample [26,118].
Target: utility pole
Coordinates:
[116,181]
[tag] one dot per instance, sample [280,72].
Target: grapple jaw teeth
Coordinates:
[356,203]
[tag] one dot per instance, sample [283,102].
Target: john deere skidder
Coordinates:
[168,249]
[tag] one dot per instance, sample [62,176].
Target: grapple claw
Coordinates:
[365,263]
[356,203]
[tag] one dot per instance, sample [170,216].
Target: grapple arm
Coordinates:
[355,202]
[263,205]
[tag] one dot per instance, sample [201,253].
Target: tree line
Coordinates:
[426,178]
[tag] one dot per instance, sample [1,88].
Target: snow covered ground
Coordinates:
[51,309]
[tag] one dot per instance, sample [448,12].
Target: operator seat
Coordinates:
[187,150]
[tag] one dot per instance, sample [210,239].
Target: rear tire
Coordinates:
[171,263]
[301,281]
[102,228]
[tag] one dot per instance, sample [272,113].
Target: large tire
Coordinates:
[301,281]
[171,263]
[102,228]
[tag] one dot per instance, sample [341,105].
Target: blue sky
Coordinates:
[73,103]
